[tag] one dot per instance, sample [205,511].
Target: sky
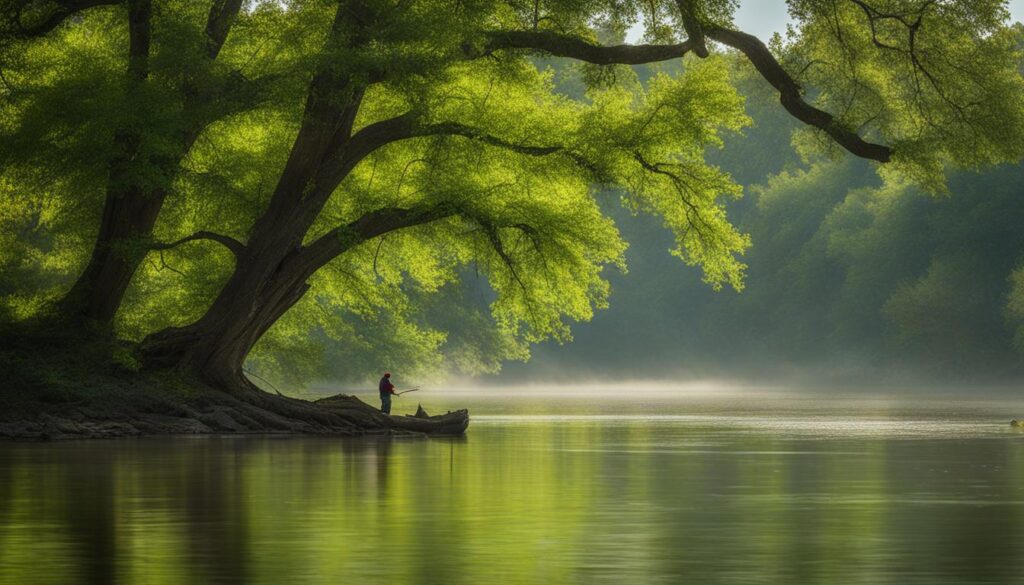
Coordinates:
[764,17]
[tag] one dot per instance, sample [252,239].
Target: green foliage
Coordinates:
[938,81]
[942,313]
[526,250]
[661,160]
[63,100]
[528,223]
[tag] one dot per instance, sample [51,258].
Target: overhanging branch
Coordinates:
[575,48]
[369,225]
[791,97]
[789,91]
[406,126]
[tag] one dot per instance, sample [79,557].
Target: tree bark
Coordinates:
[214,348]
[128,216]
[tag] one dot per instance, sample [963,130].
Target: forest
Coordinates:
[848,275]
[320,189]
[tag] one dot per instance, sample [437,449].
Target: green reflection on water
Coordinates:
[582,501]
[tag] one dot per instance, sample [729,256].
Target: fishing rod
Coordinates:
[407,391]
[264,379]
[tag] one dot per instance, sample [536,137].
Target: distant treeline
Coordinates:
[846,272]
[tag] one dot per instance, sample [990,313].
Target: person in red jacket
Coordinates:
[387,390]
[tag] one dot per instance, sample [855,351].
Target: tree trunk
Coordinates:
[130,211]
[128,218]
[265,284]
[214,348]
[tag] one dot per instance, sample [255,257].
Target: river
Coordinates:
[546,487]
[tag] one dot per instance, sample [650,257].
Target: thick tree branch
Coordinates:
[370,225]
[384,221]
[574,48]
[237,248]
[140,26]
[694,27]
[359,146]
[406,126]
[790,94]
[456,129]
[299,194]
[218,24]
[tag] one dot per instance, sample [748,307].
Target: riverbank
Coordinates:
[78,391]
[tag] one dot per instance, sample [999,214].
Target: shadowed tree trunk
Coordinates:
[130,211]
[215,347]
[261,290]
[100,289]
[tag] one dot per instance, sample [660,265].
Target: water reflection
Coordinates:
[520,501]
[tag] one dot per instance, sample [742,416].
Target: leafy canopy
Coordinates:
[938,82]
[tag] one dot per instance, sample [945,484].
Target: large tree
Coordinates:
[428,123]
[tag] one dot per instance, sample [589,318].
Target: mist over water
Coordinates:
[640,397]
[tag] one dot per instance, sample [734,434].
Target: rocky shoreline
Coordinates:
[217,413]
[61,387]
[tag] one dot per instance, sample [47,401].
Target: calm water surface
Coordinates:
[543,489]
